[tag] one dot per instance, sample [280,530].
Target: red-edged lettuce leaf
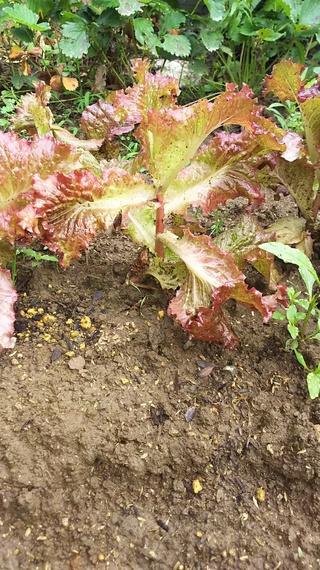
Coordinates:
[285,81]
[152,91]
[66,137]
[243,240]
[296,177]
[33,114]
[19,160]
[219,171]
[170,137]
[8,297]
[212,278]
[99,121]
[310,109]
[271,137]
[291,231]
[72,208]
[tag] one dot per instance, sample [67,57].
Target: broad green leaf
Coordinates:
[172,20]
[293,331]
[73,207]
[291,255]
[300,357]
[129,8]
[176,45]
[268,35]
[40,7]
[291,313]
[105,4]
[212,40]
[75,40]
[143,29]
[23,15]
[304,303]
[216,9]
[8,297]
[310,13]
[313,383]
[290,7]
[285,81]
[278,316]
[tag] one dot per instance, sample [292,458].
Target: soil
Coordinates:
[124,445]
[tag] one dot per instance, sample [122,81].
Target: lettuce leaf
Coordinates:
[19,160]
[33,114]
[218,172]
[99,121]
[286,83]
[151,91]
[8,297]
[72,208]
[212,278]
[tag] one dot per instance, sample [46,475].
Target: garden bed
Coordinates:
[126,445]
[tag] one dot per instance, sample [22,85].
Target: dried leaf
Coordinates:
[16,52]
[70,83]
[55,83]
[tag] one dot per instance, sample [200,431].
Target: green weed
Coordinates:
[303,313]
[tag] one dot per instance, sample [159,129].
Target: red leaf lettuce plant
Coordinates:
[53,189]
[300,177]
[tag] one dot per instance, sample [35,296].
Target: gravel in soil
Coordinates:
[124,445]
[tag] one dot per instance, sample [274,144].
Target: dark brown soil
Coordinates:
[117,452]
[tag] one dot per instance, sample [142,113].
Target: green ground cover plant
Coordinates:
[236,41]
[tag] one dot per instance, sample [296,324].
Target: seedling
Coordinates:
[303,312]
[36,256]
[287,114]
[218,225]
